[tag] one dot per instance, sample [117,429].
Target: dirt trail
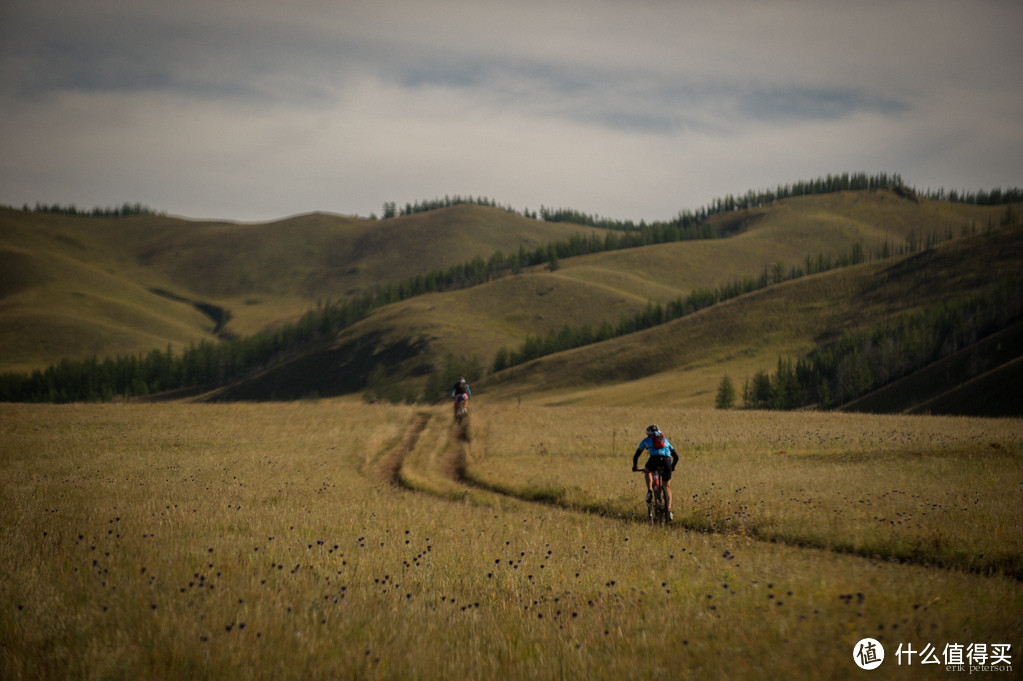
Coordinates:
[457,455]
[452,465]
[448,462]
[390,465]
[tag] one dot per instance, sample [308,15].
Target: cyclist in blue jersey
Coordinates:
[663,457]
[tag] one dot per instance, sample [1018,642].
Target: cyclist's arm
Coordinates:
[635,458]
[674,458]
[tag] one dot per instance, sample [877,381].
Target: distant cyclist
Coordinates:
[461,392]
[663,458]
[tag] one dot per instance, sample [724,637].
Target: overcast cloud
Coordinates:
[259,109]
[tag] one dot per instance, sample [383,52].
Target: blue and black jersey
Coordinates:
[661,451]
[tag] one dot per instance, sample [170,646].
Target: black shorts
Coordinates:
[660,463]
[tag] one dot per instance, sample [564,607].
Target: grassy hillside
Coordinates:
[71,287]
[786,232]
[328,256]
[82,286]
[678,363]
[63,293]
[682,362]
[952,386]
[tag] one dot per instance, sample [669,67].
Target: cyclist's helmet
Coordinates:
[653,431]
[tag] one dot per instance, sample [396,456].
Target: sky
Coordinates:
[254,110]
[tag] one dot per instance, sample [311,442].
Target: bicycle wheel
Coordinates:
[661,506]
[651,504]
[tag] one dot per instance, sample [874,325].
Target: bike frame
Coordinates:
[657,507]
[461,406]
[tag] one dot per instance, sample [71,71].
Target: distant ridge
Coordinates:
[277,288]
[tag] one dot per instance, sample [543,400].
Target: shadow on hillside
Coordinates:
[325,371]
[220,316]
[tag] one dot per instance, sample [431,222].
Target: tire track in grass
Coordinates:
[433,459]
[452,465]
[391,463]
[456,458]
[1009,567]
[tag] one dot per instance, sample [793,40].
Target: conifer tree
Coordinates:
[726,394]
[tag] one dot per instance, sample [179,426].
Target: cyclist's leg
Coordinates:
[661,500]
[648,476]
[666,481]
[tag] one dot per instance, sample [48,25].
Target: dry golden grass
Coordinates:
[267,542]
[935,491]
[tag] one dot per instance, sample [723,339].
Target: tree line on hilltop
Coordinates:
[684,219]
[393,210]
[751,199]
[124,210]
[828,184]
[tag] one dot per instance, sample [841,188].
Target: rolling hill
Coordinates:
[78,287]
[682,362]
[74,287]
[679,363]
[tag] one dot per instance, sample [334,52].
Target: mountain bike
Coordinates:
[461,407]
[657,507]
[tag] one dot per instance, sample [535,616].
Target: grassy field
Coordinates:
[333,539]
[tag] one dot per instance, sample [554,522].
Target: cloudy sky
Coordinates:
[259,109]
